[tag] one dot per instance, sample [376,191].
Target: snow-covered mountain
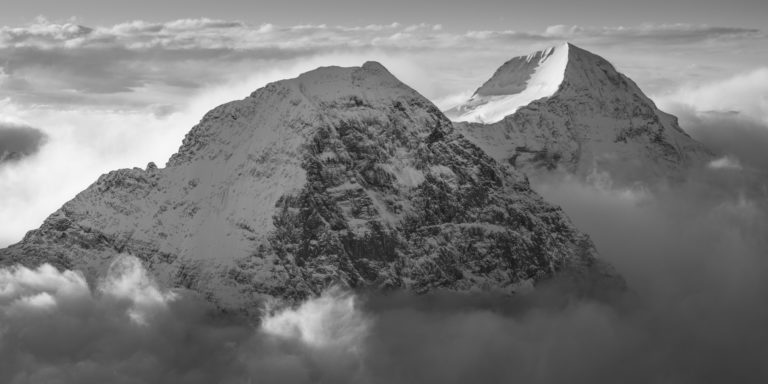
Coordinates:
[567,108]
[340,176]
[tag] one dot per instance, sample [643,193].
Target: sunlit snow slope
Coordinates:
[568,109]
[515,84]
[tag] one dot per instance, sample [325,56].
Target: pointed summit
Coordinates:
[567,108]
[541,72]
[341,176]
[515,84]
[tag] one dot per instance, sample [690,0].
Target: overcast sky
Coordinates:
[457,14]
[92,86]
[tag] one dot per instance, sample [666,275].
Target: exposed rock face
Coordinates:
[340,176]
[570,109]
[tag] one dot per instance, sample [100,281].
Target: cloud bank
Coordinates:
[693,255]
[730,116]
[176,56]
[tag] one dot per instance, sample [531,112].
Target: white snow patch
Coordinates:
[348,186]
[543,82]
[405,175]
[442,170]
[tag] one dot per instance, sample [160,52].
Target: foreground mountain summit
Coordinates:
[340,176]
[566,108]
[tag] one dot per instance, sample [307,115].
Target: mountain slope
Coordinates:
[340,176]
[515,84]
[567,108]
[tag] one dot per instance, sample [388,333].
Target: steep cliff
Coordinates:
[341,176]
[566,108]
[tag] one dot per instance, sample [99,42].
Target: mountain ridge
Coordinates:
[597,124]
[342,176]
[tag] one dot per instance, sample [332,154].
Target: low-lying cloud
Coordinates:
[729,116]
[55,328]
[693,254]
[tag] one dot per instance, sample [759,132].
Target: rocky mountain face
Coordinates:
[340,176]
[566,108]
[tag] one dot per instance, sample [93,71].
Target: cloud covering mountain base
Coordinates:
[694,255]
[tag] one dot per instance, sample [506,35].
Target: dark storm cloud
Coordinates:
[19,141]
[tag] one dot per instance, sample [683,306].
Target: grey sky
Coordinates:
[459,14]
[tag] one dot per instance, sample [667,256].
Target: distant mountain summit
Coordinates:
[515,84]
[342,176]
[567,108]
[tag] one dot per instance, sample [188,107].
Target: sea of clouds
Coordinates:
[695,256]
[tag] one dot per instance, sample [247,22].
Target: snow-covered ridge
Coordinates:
[587,118]
[515,84]
[341,176]
[267,109]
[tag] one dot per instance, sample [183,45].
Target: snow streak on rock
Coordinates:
[515,84]
[586,118]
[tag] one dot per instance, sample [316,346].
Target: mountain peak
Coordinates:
[541,74]
[371,80]
[341,176]
[567,107]
[515,84]
[346,91]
